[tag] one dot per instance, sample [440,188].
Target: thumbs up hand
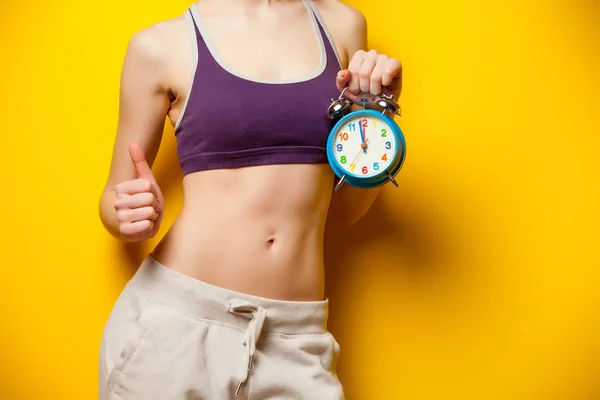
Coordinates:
[139,202]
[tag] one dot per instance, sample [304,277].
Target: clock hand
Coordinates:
[365,139]
[363,146]
[362,136]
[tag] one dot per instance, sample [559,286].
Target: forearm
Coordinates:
[349,205]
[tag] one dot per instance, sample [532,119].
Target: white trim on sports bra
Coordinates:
[329,37]
[214,53]
[192,33]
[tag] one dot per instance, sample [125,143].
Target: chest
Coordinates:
[265,48]
[291,47]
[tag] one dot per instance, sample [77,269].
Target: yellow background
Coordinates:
[477,279]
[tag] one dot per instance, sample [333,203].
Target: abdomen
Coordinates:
[257,230]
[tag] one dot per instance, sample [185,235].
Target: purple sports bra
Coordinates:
[232,121]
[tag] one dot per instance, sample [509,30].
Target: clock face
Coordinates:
[364,146]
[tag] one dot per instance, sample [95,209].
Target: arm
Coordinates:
[144,103]
[367,74]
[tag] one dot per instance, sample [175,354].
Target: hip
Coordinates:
[170,335]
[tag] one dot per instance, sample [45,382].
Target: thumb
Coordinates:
[139,161]
[342,79]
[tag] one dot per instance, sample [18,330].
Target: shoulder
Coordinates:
[343,16]
[347,25]
[154,44]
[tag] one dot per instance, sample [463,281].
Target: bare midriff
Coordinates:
[256,230]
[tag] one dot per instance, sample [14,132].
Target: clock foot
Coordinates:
[391,178]
[340,183]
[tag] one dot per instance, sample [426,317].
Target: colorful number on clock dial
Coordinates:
[367,161]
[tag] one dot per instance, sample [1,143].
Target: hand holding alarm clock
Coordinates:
[366,148]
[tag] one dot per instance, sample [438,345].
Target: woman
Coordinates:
[247,85]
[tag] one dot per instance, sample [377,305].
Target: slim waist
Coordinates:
[161,285]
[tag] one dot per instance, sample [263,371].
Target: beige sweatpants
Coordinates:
[172,337]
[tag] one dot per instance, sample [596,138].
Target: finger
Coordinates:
[137,200]
[354,68]
[137,214]
[365,71]
[391,71]
[377,76]
[139,160]
[342,79]
[134,229]
[135,186]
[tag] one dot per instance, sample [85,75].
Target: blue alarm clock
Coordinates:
[365,148]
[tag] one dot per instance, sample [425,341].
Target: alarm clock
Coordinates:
[365,148]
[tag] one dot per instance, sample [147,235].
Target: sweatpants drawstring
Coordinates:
[256,314]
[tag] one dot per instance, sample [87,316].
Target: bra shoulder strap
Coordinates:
[328,41]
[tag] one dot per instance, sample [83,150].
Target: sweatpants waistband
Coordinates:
[162,285]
